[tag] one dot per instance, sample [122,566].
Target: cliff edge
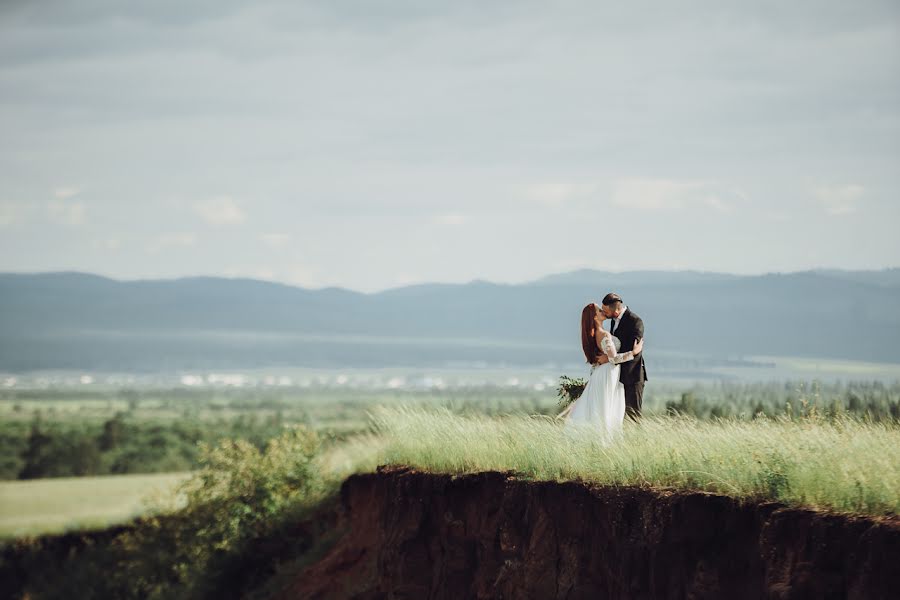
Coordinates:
[407,534]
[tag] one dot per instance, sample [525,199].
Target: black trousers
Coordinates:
[634,399]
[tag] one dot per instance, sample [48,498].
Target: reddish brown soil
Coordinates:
[417,535]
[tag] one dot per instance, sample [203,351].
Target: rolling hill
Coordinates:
[83,321]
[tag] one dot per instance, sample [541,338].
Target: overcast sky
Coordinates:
[369,144]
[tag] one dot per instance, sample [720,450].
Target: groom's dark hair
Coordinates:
[610,299]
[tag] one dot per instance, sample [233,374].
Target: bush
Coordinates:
[243,509]
[239,490]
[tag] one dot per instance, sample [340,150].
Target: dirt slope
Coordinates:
[415,535]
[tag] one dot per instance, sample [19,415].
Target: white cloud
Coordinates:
[172,240]
[67,213]
[555,194]
[655,195]
[65,192]
[839,199]
[450,220]
[222,210]
[275,240]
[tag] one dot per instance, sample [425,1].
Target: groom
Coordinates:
[629,328]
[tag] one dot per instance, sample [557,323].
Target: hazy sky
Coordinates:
[371,143]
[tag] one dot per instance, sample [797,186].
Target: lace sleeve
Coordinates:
[622,357]
[606,345]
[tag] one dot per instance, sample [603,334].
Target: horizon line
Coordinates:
[586,270]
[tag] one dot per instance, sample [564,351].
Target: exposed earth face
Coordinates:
[406,534]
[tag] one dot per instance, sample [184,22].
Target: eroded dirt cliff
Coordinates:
[406,534]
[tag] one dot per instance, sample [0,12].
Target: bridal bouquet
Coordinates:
[569,390]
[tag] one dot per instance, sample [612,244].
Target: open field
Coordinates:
[66,503]
[339,400]
[822,369]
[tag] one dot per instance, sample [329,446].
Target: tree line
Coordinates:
[119,445]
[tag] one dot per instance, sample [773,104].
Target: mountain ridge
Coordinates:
[78,320]
[887,277]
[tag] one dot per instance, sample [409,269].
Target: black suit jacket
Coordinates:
[630,329]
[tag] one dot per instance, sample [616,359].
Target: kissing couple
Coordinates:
[615,386]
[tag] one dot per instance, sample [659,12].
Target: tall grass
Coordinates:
[844,465]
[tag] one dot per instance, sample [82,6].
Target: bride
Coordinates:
[602,403]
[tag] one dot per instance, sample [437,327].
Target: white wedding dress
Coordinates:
[601,405]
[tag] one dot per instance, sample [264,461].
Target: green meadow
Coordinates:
[55,505]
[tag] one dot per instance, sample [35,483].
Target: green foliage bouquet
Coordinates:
[569,390]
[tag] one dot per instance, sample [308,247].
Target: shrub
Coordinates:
[243,507]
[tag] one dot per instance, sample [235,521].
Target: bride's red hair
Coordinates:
[589,333]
